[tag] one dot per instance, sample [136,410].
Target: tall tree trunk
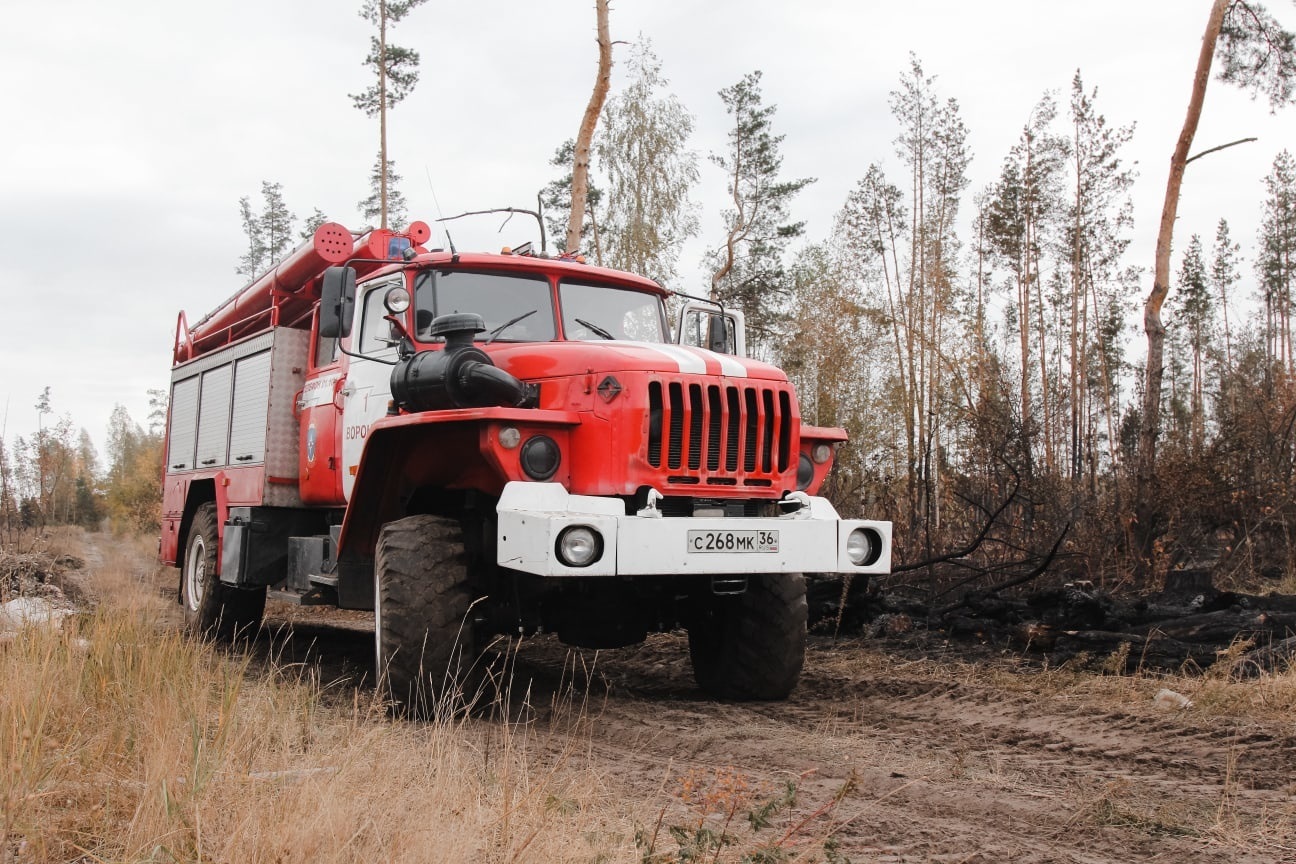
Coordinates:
[1146,513]
[382,112]
[580,167]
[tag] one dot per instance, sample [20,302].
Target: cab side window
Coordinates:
[326,349]
[376,332]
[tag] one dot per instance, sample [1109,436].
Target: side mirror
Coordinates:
[337,302]
[703,325]
[719,336]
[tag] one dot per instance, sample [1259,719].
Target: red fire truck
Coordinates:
[480,444]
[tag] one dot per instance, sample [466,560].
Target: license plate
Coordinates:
[733,541]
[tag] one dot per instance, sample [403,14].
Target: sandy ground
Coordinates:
[929,757]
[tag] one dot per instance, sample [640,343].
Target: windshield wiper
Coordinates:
[594,327]
[490,337]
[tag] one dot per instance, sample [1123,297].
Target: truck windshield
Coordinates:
[593,312]
[516,308]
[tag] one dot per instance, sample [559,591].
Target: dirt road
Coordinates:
[899,758]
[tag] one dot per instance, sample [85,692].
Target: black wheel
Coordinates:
[423,636]
[751,646]
[212,608]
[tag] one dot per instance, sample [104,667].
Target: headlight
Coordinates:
[863,547]
[805,472]
[579,546]
[540,457]
[397,300]
[509,437]
[821,453]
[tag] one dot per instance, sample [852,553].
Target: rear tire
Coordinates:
[423,638]
[211,607]
[751,646]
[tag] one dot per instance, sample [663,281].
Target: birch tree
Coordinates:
[643,152]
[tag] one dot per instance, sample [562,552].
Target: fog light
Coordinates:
[863,547]
[805,472]
[821,453]
[509,437]
[540,457]
[579,546]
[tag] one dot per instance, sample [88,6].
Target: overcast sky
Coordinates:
[134,126]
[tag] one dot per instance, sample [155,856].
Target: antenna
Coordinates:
[437,203]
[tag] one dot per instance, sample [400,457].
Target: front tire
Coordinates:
[423,636]
[211,607]
[751,646]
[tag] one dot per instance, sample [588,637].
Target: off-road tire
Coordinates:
[423,636]
[751,646]
[212,608]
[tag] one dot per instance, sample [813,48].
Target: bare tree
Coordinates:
[1256,53]
[581,156]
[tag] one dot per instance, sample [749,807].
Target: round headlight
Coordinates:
[509,437]
[579,546]
[805,472]
[863,547]
[540,457]
[397,300]
[821,453]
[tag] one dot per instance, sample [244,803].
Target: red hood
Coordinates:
[533,360]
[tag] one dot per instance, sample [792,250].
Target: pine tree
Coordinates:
[385,203]
[313,222]
[1276,258]
[747,269]
[276,223]
[1224,276]
[1256,53]
[252,262]
[1025,217]
[555,198]
[395,72]
[1197,316]
[1098,224]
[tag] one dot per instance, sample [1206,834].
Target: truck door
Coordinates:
[319,412]
[368,386]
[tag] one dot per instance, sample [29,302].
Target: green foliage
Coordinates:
[747,268]
[313,222]
[269,233]
[1257,54]
[371,207]
[642,148]
[132,491]
[395,69]
[276,223]
[395,72]
[555,198]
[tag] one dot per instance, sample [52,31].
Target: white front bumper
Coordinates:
[532,515]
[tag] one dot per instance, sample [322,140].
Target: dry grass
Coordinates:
[121,740]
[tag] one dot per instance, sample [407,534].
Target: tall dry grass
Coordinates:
[123,741]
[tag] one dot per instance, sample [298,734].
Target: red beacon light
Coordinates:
[387,245]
